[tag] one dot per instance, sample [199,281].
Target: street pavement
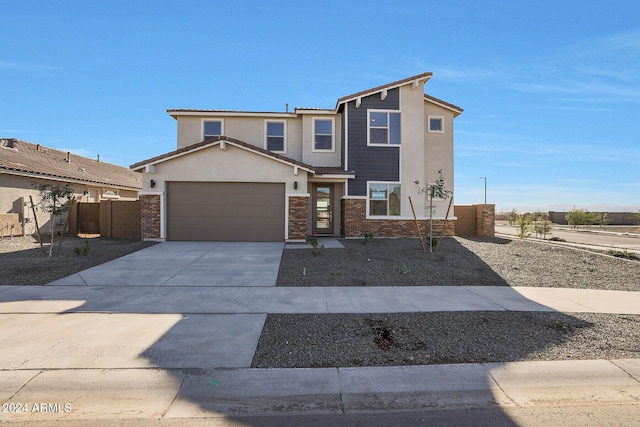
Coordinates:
[594,237]
[168,334]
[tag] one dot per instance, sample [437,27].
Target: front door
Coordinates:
[322,211]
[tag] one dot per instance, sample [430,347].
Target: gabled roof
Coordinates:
[24,158]
[456,110]
[392,85]
[217,141]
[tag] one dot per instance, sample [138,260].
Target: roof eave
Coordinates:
[418,78]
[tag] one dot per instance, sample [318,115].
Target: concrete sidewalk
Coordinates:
[311,300]
[93,394]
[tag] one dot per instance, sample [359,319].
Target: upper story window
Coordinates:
[323,130]
[275,136]
[384,127]
[212,128]
[384,199]
[435,124]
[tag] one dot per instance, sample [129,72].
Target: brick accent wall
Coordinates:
[298,214]
[485,220]
[150,216]
[355,224]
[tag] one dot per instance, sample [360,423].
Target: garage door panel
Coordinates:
[225,211]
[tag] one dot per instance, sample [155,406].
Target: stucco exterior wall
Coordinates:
[412,149]
[318,158]
[439,156]
[247,129]
[215,164]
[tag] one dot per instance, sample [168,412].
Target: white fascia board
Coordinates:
[334,176]
[446,107]
[386,88]
[165,159]
[313,112]
[230,114]
[228,143]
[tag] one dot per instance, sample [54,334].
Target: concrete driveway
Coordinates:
[176,264]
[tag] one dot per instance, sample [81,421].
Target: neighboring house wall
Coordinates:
[14,198]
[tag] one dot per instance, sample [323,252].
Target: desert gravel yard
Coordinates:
[450,337]
[459,262]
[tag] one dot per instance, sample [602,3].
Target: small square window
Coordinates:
[436,124]
[212,129]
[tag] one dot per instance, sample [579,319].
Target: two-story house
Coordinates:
[265,176]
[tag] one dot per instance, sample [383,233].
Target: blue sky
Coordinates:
[550,89]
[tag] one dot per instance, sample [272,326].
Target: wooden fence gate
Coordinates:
[117,219]
[89,218]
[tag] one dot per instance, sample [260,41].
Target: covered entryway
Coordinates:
[226,211]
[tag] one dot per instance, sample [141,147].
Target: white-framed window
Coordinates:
[212,128]
[323,134]
[435,124]
[383,198]
[383,127]
[275,135]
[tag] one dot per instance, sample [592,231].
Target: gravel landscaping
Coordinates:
[450,337]
[22,263]
[458,262]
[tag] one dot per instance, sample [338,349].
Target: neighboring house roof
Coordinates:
[241,144]
[34,160]
[456,110]
[392,85]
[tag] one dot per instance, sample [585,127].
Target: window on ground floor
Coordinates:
[384,199]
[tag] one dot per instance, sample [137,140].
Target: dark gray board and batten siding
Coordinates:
[370,163]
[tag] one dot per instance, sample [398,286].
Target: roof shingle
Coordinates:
[21,157]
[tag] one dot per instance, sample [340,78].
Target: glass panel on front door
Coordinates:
[323,210]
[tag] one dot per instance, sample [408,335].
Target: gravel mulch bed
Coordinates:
[296,341]
[450,337]
[459,262]
[22,263]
